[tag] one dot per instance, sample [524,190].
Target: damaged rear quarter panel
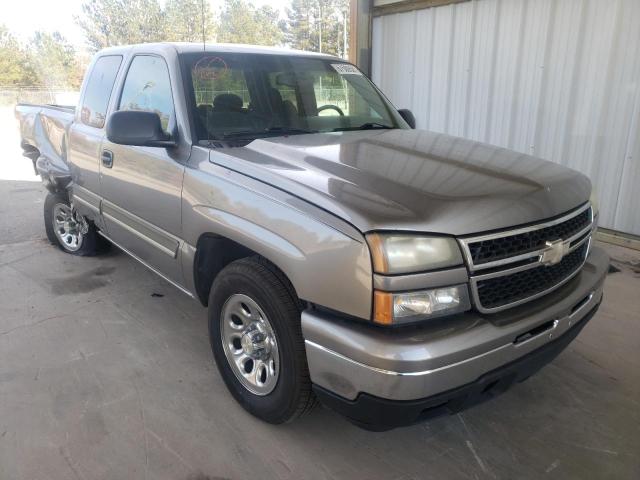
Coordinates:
[46,128]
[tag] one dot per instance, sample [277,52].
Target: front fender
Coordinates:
[326,260]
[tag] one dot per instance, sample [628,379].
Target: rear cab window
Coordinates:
[97,93]
[288,93]
[221,95]
[334,95]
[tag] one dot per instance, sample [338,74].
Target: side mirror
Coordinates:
[142,129]
[408,117]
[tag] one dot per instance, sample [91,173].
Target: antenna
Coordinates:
[203,34]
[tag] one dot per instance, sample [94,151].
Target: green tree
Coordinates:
[120,22]
[318,25]
[242,22]
[16,64]
[183,19]
[315,25]
[55,60]
[299,25]
[323,10]
[335,26]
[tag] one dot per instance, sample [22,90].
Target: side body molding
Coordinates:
[326,259]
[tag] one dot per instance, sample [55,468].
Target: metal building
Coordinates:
[559,79]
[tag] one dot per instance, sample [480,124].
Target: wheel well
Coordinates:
[213,253]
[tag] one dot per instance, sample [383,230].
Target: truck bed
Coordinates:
[44,132]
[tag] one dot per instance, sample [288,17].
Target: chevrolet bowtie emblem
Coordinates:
[554,252]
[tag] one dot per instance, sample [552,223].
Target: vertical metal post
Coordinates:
[345,14]
[360,34]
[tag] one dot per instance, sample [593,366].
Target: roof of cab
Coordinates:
[183,47]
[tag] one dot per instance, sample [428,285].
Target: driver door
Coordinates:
[142,186]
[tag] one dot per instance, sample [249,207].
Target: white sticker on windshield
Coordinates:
[346,69]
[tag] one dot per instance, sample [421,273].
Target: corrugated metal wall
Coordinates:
[559,79]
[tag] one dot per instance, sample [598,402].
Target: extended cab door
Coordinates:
[141,186]
[86,135]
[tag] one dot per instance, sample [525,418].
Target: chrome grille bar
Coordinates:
[465,242]
[524,261]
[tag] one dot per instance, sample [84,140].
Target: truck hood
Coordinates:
[411,180]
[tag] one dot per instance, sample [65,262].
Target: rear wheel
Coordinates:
[69,230]
[256,338]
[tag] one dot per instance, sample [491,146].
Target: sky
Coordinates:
[24,17]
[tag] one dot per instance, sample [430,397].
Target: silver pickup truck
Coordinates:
[391,273]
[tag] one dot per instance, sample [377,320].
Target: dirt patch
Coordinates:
[82,283]
[630,265]
[102,271]
[23,190]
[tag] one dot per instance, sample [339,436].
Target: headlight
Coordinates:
[397,308]
[403,253]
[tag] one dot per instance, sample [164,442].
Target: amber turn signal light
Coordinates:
[383,308]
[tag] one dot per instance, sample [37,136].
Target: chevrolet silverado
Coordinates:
[344,256]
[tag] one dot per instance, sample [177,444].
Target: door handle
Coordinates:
[107,158]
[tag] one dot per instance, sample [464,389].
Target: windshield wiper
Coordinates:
[272,131]
[364,126]
[288,130]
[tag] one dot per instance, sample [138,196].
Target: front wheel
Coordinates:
[69,231]
[256,338]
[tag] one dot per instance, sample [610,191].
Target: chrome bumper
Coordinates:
[347,358]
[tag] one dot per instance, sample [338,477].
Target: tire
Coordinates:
[260,282]
[57,207]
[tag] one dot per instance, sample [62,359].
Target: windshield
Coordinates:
[256,95]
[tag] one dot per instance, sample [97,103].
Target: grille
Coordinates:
[507,289]
[494,249]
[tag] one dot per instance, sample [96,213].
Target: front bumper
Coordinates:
[358,369]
